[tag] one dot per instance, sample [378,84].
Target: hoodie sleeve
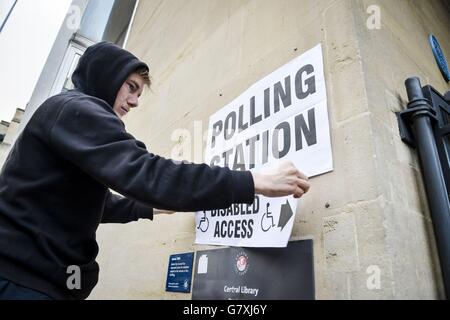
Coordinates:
[122,210]
[92,137]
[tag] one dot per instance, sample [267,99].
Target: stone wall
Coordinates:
[369,216]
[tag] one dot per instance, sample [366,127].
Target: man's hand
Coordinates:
[285,180]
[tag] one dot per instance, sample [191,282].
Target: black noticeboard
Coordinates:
[255,273]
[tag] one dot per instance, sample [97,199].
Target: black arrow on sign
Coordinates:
[285,215]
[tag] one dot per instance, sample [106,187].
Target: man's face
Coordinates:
[128,95]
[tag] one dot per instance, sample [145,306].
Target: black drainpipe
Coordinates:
[422,117]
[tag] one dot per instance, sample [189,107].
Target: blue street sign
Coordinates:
[179,273]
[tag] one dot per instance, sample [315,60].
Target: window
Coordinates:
[107,20]
[103,20]
[63,81]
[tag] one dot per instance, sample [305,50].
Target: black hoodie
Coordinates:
[54,186]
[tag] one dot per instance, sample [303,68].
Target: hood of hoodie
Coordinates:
[103,69]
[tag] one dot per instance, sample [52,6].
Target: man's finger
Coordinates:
[304,185]
[301,175]
[298,193]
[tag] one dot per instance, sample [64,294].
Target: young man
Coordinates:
[54,187]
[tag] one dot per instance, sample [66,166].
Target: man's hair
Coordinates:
[143,72]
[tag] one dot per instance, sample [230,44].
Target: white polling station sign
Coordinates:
[283,116]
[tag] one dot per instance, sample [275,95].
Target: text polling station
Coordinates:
[283,116]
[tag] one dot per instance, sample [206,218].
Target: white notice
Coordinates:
[283,116]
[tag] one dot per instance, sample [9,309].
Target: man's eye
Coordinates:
[131,87]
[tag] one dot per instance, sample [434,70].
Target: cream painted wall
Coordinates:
[370,211]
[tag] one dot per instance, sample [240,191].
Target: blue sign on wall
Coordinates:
[440,58]
[179,273]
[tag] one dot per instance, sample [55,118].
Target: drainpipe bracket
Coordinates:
[405,118]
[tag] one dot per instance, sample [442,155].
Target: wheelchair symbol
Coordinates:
[204,221]
[267,220]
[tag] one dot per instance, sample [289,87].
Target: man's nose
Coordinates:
[133,101]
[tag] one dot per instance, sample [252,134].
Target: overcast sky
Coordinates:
[25,43]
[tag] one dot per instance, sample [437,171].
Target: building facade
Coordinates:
[8,134]
[369,217]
